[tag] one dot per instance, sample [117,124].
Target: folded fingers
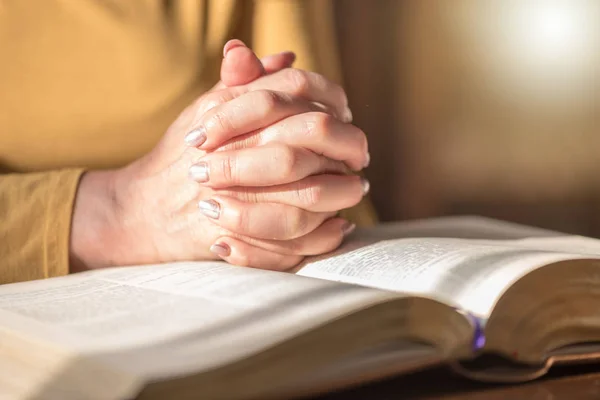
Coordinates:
[282,255]
[238,252]
[317,131]
[244,114]
[318,193]
[308,85]
[296,84]
[261,220]
[268,165]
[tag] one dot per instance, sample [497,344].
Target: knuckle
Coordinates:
[268,100]
[239,220]
[221,121]
[299,80]
[323,122]
[210,104]
[286,161]
[213,100]
[319,125]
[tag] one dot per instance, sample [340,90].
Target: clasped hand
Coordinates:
[253,173]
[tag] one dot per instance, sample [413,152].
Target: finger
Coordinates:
[247,113]
[316,131]
[319,193]
[268,165]
[277,62]
[308,85]
[231,44]
[326,238]
[237,252]
[240,65]
[272,63]
[261,220]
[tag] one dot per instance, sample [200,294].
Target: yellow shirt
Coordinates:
[94,84]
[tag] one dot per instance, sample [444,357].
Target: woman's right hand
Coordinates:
[148,212]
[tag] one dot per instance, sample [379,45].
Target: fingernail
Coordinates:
[196,137]
[366,186]
[220,249]
[282,54]
[368,160]
[199,172]
[292,55]
[348,115]
[232,44]
[210,208]
[348,228]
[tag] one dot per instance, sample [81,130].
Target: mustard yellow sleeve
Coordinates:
[35,221]
[307,28]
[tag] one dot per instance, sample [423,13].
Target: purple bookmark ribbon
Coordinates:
[478,332]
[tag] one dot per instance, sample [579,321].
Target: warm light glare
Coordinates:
[552,30]
[535,51]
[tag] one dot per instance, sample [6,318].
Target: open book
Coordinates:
[494,301]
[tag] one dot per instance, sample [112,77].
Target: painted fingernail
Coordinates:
[221,249]
[366,186]
[210,208]
[199,172]
[196,137]
[367,161]
[348,115]
[348,228]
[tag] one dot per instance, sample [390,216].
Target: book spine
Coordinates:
[478,333]
[478,329]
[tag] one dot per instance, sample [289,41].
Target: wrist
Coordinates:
[95,227]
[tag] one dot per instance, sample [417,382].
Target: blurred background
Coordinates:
[476,107]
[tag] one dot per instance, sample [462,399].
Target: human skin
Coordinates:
[253,172]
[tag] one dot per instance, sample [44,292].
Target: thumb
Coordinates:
[241,66]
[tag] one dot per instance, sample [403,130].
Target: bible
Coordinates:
[494,301]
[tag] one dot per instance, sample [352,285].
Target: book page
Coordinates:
[465,227]
[467,273]
[187,316]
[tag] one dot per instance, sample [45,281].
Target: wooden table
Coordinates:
[569,383]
